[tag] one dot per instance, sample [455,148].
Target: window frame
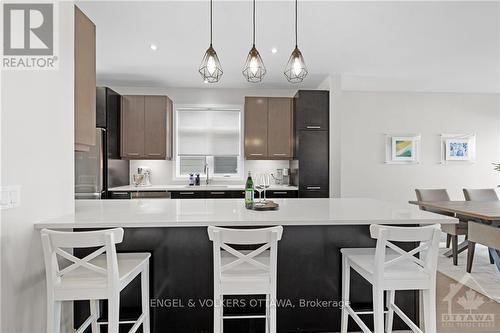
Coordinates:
[209,158]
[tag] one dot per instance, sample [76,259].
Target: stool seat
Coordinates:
[364,259]
[81,281]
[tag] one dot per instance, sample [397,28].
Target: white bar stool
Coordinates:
[100,275]
[394,269]
[248,272]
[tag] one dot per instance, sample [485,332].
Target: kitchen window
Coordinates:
[209,137]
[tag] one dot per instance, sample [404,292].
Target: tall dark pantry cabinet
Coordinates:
[311,134]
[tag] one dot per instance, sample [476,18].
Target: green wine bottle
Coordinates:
[249,192]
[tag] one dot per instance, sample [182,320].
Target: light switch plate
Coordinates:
[10,196]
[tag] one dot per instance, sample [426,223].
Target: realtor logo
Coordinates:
[28,36]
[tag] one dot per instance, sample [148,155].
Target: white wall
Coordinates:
[37,154]
[366,116]
[162,171]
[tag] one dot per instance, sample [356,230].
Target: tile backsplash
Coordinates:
[162,172]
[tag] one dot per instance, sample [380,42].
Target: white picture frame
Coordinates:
[458,148]
[402,149]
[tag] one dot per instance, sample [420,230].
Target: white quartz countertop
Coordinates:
[211,187]
[231,212]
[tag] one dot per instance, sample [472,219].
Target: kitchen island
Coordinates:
[309,261]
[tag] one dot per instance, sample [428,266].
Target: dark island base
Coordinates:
[309,272]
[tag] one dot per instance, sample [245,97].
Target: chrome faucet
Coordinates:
[207,180]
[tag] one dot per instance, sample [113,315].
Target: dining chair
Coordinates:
[488,194]
[389,268]
[482,195]
[452,230]
[245,272]
[100,275]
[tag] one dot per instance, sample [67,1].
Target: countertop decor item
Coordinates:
[265,205]
[210,68]
[296,70]
[254,69]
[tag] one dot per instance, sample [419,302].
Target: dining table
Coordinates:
[487,212]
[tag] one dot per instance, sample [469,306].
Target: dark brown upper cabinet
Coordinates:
[314,110]
[85,82]
[146,131]
[268,128]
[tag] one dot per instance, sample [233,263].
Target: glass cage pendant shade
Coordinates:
[254,69]
[210,68]
[296,70]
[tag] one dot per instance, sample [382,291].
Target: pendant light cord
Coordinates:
[210,22]
[296,43]
[253,22]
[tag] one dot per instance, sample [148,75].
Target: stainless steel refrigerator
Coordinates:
[101,167]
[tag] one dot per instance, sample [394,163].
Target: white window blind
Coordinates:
[208,132]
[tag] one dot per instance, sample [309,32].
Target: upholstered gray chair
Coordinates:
[481,234]
[487,194]
[452,230]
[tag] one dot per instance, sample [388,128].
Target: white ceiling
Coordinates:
[423,46]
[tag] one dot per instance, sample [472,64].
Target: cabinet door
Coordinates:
[170,129]
[312,109]
[281,194]
[313,160]
[113,104]
[155,127]
[187,195]
[280,128]
[85,82]
[256,127]
[132,131]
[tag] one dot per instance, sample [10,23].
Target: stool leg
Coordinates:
[346,274]
[272,319]
[145,298]
[113,313]
[217,314]
[94,312]
[429,300]
[53,315]
[391,295]
[378,310]
[448,240]
[268,313]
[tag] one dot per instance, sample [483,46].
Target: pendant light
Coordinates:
[210,68]
[254,69]
[296,70]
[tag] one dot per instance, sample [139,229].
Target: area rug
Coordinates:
[484,278]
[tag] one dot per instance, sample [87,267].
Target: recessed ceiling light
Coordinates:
[274,50]
[153,47]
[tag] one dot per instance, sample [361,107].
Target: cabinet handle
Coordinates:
[133,154]
[119,193]
[154,154]
[313,127]
[280,192]
[313,187]
[218,193]
[256,154]
[280,154]
[186,193]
